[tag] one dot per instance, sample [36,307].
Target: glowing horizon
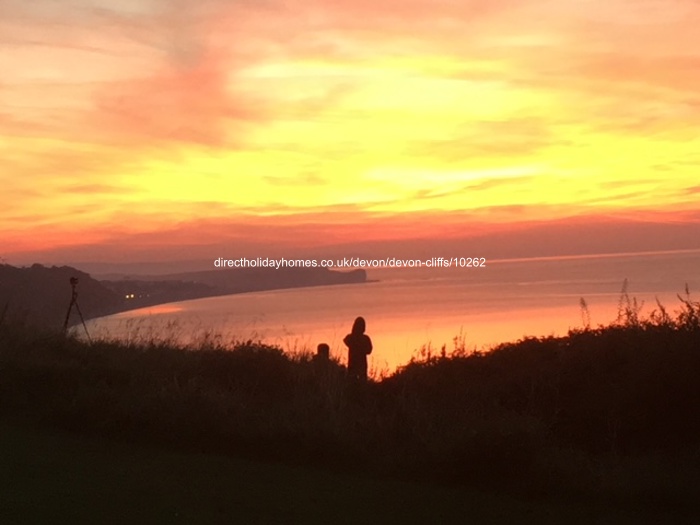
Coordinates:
[158,116]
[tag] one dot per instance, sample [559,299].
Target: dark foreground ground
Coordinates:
[599,426]
[57,477]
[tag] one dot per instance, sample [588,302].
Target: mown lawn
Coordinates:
[52,477]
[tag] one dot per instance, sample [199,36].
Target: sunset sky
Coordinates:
[162,124]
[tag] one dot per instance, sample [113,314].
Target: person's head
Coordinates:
[358,327]
[323,350]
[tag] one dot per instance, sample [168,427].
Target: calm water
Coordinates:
[409,308]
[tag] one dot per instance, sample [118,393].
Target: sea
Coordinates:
[415,312]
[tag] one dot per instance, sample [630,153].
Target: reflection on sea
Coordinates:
[410,309]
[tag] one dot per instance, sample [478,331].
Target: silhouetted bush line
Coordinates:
[574,413]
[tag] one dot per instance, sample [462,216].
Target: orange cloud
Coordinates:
[119,121]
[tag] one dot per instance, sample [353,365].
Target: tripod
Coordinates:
[74,301]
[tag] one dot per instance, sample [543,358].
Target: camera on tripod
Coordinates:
[74,302]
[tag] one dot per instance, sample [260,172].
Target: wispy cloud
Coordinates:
[355,108]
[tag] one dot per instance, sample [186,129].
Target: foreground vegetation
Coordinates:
[53,477]
[607,414]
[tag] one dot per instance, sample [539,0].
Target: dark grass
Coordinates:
[607,416]
[54,477]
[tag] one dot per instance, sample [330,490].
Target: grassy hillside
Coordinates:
[54,477]
[607,414]
[41,295]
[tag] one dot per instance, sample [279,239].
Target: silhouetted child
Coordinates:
[322,352]
[359,347]
[327,371]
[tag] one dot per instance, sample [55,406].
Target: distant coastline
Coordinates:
[160,289]
[40,295]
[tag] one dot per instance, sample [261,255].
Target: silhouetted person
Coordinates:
[328,372]
[323,352]
[359,347]
[322,358]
